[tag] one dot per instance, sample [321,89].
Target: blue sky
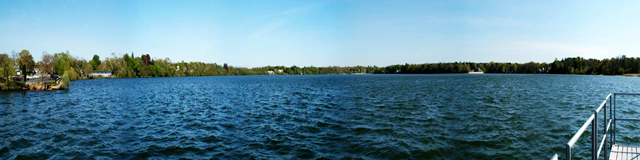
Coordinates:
[322,33]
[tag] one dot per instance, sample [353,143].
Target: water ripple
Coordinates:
[308,117]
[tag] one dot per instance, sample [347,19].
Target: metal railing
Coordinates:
[609,119]
[615,118]
[593,121]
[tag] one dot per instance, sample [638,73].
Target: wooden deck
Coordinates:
[624,153]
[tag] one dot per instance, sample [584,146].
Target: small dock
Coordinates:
[624,152]
[607,146]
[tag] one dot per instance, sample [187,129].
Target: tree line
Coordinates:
[572,65]
[614,66]
[130,66]
[465,67]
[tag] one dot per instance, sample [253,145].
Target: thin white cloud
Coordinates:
[267,29]
[492,22]
[280,19]
[285,13]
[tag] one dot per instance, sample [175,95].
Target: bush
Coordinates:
[65,80]
[72,74]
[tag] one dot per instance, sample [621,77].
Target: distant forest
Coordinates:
[131,65]
[573,65]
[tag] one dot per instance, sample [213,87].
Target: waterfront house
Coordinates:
[542,70]
[275,71]
[98,73]
[476,71]
[17,69]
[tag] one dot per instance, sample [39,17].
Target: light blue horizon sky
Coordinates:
[323,33]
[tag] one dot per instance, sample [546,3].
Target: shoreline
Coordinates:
[626,75]
[41,86]
[35,86]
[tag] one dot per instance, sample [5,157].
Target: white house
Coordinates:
[17,69]
[100,73]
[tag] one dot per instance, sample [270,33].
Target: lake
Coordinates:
[442,116]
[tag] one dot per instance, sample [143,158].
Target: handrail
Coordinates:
[615,118]
[604,137]
[596,145]
[609,119]
[603,103]
[576,136]
[608,127]
[634,94]
[628,119]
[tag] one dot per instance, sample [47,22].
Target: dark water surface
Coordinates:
[453,116]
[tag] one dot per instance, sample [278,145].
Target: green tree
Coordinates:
[95,62]
[62,62]
[87,70]
[72,74]
[65,80]
[26,63]
[47,64]
[6,67]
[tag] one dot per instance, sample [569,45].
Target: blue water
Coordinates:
[448,116]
